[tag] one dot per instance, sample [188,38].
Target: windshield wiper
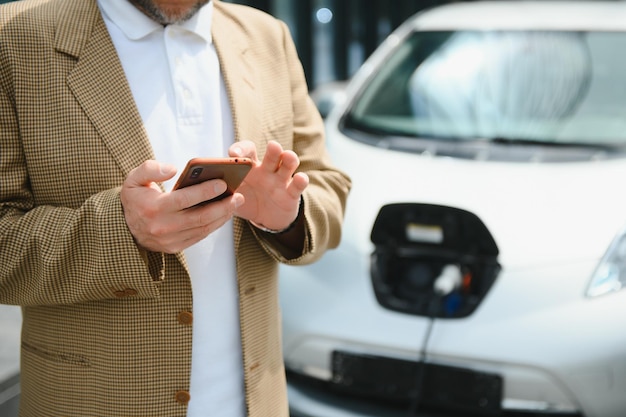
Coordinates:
[534,142]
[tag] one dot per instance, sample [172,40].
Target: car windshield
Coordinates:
[532,87]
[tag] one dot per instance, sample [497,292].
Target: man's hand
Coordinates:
[169,222]
[272,189]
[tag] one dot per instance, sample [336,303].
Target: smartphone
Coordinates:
[232,170]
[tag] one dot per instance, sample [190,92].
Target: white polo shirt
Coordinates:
[174,75]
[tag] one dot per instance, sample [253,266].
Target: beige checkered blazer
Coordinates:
[106,328]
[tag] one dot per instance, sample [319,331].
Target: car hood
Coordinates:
[537,213]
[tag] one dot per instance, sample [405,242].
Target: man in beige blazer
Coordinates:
[106,314]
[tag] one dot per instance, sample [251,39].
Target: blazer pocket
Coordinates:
[55,356]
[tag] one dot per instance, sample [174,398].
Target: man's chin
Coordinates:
[167,14]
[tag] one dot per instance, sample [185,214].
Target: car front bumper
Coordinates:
[558,353]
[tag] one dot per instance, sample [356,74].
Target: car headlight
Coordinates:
[610,275]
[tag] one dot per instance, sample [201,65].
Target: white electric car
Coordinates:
[484,249]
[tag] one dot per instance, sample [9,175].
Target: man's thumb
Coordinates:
[151,171]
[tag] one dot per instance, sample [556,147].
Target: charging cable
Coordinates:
[448,280]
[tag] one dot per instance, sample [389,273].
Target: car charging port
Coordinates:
[423,251]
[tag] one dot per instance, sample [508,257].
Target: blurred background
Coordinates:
[334,37]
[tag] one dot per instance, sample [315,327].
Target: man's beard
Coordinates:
[167,17]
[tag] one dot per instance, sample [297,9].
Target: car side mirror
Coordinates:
[328,95]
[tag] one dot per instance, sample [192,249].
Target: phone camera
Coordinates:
[195,173]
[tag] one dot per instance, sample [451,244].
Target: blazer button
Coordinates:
[185,318]
[183,397]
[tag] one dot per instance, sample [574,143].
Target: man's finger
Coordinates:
[244,148]
[272,160]
[289,162]
[198,193]
[298,184]
[149,172]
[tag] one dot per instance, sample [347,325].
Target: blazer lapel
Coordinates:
[239,77]
[99,83]
[238,73]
